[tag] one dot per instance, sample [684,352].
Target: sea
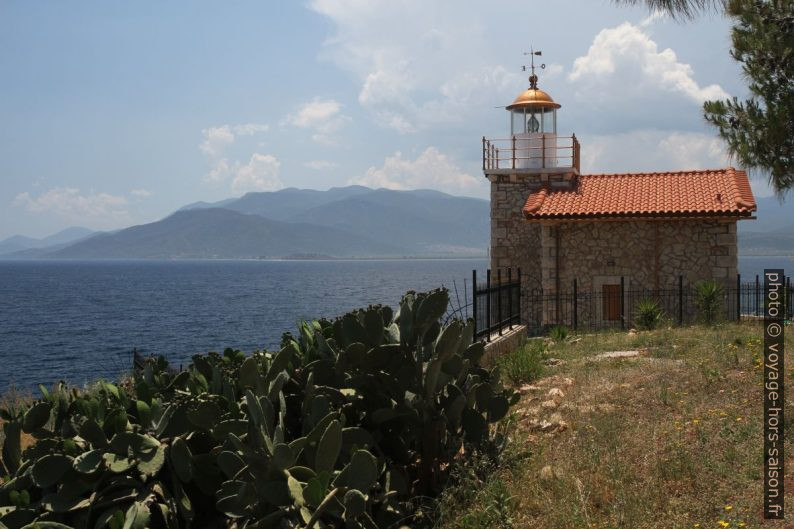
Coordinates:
[78,321]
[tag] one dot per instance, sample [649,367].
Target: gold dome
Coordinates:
[533,98]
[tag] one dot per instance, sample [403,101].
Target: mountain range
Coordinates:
[342,222]
[345,222]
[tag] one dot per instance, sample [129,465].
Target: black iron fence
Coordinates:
[496,302]
[618,306]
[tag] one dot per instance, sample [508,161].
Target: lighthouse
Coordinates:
[533,146]
[609,239]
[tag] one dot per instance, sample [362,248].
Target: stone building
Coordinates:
[559,225]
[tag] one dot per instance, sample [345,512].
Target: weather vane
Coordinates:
[533,79]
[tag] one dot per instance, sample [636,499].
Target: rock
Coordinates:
[548,404]
[555,393]
[546,473]
[632,332]
[551,362]
[549,473]
[618,354]
[567,381]
[528,388]
[562,426]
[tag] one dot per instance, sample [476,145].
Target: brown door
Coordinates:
[611,302]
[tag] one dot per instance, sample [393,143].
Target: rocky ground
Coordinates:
[638,430]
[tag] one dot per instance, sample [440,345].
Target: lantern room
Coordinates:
[533,146]
[533,111]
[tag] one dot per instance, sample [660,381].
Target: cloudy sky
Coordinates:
[117,113]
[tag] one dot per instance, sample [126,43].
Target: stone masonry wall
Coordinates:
[651,254]
[514,241]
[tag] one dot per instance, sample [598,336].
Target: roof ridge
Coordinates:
[648,173]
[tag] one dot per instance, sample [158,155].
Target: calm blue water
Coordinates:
[79,320]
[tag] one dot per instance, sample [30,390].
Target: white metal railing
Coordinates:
[536,152]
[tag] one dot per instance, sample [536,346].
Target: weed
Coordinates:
[708,300]
[525,364]
[558,333]
[648,314]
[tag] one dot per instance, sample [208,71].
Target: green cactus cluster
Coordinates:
[345,426]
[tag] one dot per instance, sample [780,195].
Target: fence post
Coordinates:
[488,305]
[484,156]
[499,299]
[474,301]
[788,306]
[738,297]
[575,306]
[757,296]
[514,152]
[519,295]
[622,308]
[510,298]
[680,299]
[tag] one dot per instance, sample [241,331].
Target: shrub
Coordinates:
[558,333]
[708,300]
[344,426]
[525,364]
[648,314]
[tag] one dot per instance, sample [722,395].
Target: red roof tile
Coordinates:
[716,192]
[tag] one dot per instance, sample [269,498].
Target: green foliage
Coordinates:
[709,295]
[648,315]
[525,364]
[682,9]
[758,130]
[558,333]
[344,426]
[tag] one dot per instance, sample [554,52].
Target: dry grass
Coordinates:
[670,439]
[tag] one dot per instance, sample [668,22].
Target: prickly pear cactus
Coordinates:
[342,427]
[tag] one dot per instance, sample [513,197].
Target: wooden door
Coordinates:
[610,308]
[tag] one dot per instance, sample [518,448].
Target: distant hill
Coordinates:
[772,232]
[429,222]
[292,203]
[20,243]
[352,221]
[222,233]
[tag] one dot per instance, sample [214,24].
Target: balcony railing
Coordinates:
[531,154]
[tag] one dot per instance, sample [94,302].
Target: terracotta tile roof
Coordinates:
[707,193]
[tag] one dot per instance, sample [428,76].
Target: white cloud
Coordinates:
[322,116]
[216,139]
[419,64]
[652,150]
[261,173]
[320,165]
[141,193]
[623,62]
[220,171]
[69,204]
[430,170]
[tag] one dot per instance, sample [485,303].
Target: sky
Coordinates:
[118,113]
